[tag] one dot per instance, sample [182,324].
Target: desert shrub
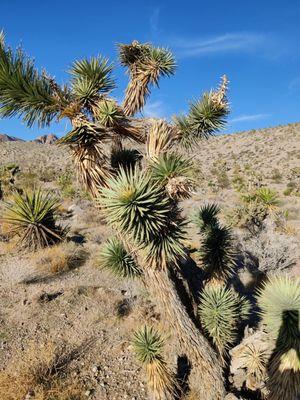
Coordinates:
[255,207]
[42,373]
[270,252]
[292,188]
[221,310]
[32,217]
[276,175]
[65,184]
[239,182]
[61,258]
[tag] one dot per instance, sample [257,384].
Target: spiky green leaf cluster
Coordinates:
[143,56]
[91,78]
[205,117]
[264,196]
[32,217]
[168,166]
[108,113]
[148,345]
[24,92]
[279,301]
[221,310]
[134,205]
[206,216]
[216,252]
[116,258]
[124,158]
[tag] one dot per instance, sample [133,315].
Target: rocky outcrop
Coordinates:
[46,139]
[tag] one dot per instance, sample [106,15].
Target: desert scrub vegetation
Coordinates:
[60,258]
[31,217]
[139,194]
[41,372]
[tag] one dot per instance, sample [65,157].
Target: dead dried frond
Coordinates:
[160,138]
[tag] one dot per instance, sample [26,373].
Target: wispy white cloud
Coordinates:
[154,109]
[247,42]
[154,20]
[246,118]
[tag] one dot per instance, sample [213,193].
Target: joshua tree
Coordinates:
[142,206]
[96,118]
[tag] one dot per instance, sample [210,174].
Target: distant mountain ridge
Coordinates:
[7,138]
[43,139]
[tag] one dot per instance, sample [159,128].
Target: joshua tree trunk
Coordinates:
[202,357]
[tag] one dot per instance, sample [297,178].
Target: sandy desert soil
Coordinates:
[87,306]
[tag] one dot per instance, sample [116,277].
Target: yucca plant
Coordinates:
[116,258]
[264,196]
[205,116]
[221,310]
[31,216]
[149,346]
[217,253]
[279,301]
[124,158]
[134,205]
[206,217]
[174,173]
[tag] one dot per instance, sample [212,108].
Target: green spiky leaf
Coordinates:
[133,204]
[115,257]
[32,217]
[220,312]
[168,166]
[206,216]
[148,345]
[24,92]
[91,78]
[217,252]
[279,301]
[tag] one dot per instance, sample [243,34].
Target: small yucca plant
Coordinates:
[115,257]
[31,216]
[217,253]
[148,346]
[220,311]
[279,301]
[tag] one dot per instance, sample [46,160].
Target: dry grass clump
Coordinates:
[61,258]
[41,373]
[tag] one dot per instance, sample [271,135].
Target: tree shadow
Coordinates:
[182,376]
[284,380]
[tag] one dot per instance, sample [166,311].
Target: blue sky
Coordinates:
[256,43]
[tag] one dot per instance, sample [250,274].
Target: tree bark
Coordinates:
[205,364]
